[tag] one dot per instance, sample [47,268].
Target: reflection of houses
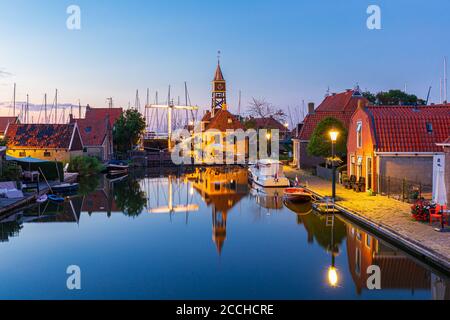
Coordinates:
[101,199]
[340,106]
[222,190]
[68,212]
[96,130]
[218,120]
[397,271]
[44,141]
[399,142]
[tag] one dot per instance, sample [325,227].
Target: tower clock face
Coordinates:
[220,86]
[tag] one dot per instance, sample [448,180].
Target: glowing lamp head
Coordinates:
[333,278]
[268,136]
[334,135]
[286,125]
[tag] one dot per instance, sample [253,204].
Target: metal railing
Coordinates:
[404,190]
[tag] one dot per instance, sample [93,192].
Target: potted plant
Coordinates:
[420,210]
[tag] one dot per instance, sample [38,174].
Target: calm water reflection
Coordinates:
[205,235]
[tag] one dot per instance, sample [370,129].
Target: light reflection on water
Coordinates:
[201,235]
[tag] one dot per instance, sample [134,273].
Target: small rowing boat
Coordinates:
[42,199]
[297,195]
[55,198]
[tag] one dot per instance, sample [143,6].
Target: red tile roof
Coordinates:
[42,136]
[220,121]
[94,127]
[340,106]
[93,132]
[267,123]
[404,128]
[101,113]
[4,121]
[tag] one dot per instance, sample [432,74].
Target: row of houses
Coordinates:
[91,135]
[400,142]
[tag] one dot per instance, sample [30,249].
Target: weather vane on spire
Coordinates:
[218,56]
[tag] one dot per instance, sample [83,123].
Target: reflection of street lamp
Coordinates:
[333,135]
[333,278]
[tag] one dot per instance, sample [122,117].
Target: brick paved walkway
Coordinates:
[393,214]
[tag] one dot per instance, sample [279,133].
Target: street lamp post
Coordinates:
[333,135]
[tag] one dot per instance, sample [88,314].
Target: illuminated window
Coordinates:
[359,134]
[22,154]
[47,154]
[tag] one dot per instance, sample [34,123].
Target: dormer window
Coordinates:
[88,129]
[359,134]
[429,127]
[230,121]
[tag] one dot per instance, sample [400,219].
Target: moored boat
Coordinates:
[297,195]
[42,199]
[55,198]
[117,166]
[65,188]
[268,173]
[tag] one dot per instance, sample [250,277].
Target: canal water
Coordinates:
[202,235]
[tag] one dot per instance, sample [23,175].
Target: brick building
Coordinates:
[96,130]
[50,142]
[396,143]
[340,106]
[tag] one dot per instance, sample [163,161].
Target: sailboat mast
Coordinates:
[28,108]
[445,80]
[56,106]
[45,108]
[186,103]
[14,100]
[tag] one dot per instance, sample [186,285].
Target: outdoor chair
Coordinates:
[360,185]
[350,182]
[439,214]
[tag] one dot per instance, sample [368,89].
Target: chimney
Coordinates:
[311,108]
[361,104]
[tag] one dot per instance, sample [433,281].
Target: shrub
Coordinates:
[85,166]
[11,171]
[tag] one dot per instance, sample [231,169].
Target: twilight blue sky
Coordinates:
[284,51]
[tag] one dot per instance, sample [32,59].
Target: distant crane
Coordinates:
[170,107]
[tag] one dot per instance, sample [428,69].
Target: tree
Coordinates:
[259,108]
[393,98]
[320,142]
[128,130]
[370,96]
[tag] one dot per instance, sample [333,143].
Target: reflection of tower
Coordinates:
[219,220]
[221,189]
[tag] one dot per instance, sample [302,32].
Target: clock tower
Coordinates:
[219,91]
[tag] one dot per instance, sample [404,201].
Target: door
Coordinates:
[369,174]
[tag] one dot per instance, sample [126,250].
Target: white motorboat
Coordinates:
[268,173]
